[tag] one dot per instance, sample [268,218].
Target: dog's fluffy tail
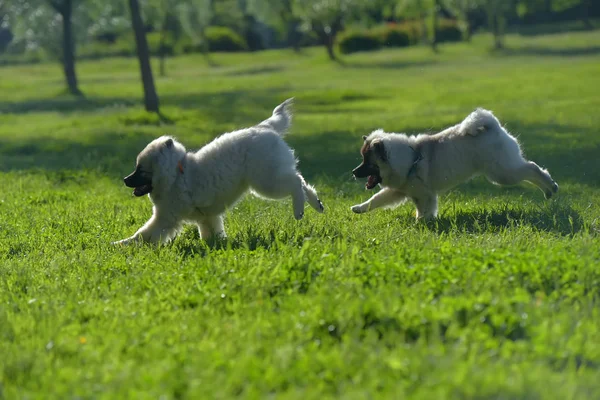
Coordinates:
[479,121]
[281,119]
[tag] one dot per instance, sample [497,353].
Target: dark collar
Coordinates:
[413,168]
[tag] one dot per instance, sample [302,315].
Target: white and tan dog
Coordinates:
[198,187]
[420,167]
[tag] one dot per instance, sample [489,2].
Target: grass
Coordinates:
[497,299]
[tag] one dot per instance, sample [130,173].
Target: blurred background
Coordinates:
[33,31]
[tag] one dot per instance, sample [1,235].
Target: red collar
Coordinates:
[180,167]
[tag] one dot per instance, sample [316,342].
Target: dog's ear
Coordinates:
[364,137]
[169,143]
[379,149]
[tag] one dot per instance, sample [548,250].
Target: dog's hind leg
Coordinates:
[311,195]
[385,197]
[527,171]
[210,227]
[290,184]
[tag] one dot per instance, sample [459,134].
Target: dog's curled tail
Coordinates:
[479,121]
[281,119]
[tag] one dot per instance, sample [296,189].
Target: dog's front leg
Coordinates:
[385,197]
[211,227]
[156,230]
[427,206]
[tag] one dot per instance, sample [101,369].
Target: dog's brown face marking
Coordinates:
[370,151]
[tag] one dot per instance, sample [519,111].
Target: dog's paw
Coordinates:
[320,208]
[359,209]
[125,242]
[299,215]
[548,193]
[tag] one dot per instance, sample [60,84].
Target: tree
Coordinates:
[150,96]
[195,17]
[495,10]
[326,18]
[437,7]
[65,9]
[38,23]
[163,13]
[419,9]
[279,13]
[461,9]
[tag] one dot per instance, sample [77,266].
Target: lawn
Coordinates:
[497,299]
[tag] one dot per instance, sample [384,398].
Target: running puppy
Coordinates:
[420,167]
[198,187]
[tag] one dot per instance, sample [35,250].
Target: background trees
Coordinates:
[70,29]
[53,25]
[150,96]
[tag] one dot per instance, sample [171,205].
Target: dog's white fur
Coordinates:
[214,178]
[479,145]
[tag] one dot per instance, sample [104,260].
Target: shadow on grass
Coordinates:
[189,243]
[256,70]
[569,152]
[388,64]
[557,218]
[109,153]
[547,51]
[66,104]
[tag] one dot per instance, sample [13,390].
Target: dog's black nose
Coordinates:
[129,179]
[360,171]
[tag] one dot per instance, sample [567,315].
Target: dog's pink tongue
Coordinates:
[370,181]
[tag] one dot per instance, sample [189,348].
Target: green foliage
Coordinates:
[221,38]
[218,39]
[395,36]
[448,31]
[355,41]
[124,46]
[497,299]
[156,47]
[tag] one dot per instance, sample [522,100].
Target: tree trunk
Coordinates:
[293,36]
[150,96]
[499,31]
[467,30]
[548,10]
[586,5]
[496,22]
[434,29]
[162,53]
[329,46]
[65,9]
[327,39]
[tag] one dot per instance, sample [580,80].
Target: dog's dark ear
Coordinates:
[364,137]
[379,149]
[169,143]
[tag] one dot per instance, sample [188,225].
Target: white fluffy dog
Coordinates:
[198,187]
[420,167]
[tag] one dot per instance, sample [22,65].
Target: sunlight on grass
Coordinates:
[495,299]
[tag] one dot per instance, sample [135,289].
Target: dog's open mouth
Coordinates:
[142,190]
[372,181]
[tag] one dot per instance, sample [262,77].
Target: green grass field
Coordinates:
[497,299]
